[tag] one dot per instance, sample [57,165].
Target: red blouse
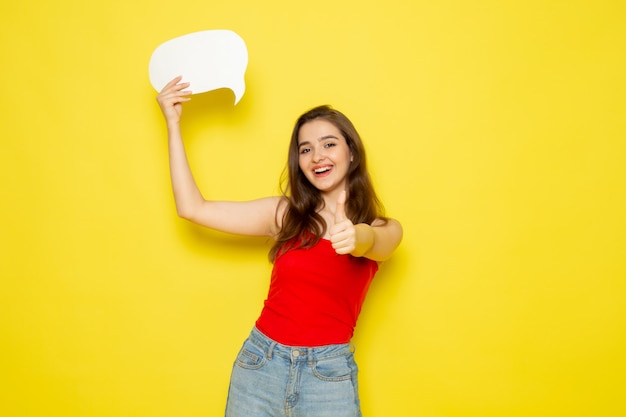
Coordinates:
[315,296]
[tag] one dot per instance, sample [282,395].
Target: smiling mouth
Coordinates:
[322,170]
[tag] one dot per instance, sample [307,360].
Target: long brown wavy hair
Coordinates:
[302,225]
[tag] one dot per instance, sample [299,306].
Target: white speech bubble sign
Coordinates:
[208,60]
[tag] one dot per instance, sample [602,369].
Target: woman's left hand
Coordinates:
[342,233]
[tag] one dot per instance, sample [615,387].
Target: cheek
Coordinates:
[347,156]
[302,162]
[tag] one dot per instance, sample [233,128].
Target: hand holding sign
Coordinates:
[171,98]
[343,232]
[207,60]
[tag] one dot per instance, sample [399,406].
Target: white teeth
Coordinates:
[320,170]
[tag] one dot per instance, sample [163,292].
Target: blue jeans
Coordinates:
[272,380]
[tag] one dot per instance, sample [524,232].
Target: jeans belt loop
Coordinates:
[270,350]
[310,356]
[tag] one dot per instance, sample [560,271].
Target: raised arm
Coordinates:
[254,218]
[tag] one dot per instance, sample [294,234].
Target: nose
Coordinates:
[318,155]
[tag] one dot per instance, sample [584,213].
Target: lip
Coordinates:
[322,174]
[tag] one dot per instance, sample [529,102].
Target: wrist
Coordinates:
[173,127]
[364,239]
[172,123]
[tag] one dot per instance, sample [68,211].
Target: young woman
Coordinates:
[329,235]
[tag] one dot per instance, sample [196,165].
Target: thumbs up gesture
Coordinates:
[342,232]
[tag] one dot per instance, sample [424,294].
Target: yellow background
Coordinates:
[496,134]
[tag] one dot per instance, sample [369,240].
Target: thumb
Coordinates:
[340,210]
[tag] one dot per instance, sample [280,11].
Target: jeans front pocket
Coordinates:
[338,368]
[250,357]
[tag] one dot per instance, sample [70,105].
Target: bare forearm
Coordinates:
[186,193]
[364,239]
[377,242]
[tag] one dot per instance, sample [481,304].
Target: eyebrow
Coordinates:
[318,139]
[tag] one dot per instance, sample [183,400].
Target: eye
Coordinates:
[329,144]
[305,150]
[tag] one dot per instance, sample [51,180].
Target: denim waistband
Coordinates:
[298,353]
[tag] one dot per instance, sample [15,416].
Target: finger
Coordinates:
[174,86]
[336,229]
[340,211]
[173,82]
[183,93]
[182,86]
[178,90]
[343,247]
[342,237]
[173,95]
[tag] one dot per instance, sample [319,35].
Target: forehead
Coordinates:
[318,129]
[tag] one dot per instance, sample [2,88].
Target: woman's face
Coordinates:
[324,155]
